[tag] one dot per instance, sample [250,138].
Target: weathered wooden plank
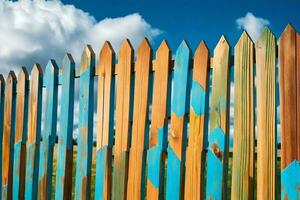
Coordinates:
[20,135]
[195,153]
[122,132]
[105,122]
[85,135]
[2,99]
[34,133]
[8,135]
[178,132]
[63,187]
[266,115]
[217,158]
[289,91]
[49,132]
[243,147]
[140,126]
[159,124]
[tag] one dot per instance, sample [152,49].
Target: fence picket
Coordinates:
[243,146]
[289,56]
[63,188]
[159,124]
[195,153]
[140,126]
[123,112]
[85,126]
[49,132]
[20,135]
[105,122]
[8,135]
[2,100]
[266,119]
[178,132]
[34,133]
[217,158]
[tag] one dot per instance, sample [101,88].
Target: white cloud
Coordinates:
[35,31]
[252,24]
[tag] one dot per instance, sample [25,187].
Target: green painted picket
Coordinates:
[162,126]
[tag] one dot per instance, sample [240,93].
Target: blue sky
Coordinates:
[197,20]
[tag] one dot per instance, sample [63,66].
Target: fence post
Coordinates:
[289,76]
[123,116]
[178,131]
[243,146]
[195,153]
[20,135]
[266,115]
[105,122]
[140,126]
[63,188]
[34,133]
[217,158]
[49,132]
[85,134]
[159,124]
[8,135]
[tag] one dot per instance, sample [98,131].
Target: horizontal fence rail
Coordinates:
[156,128]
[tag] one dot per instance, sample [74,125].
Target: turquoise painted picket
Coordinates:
[153,137]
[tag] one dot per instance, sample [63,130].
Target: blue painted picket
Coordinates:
[65,147]
[20,135]
[34,133]
[85,126]
[178,132]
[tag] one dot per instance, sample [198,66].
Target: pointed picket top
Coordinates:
[107,47]
[288,30]
[51,66]
[11,77]
[222,42]
[36,70]
[87,59]
[202,47]
[106,54]
[23,74]
[68,61]
[163,47]
[184,46]
[126,46]
[145,45]
[245,38]
[267,33]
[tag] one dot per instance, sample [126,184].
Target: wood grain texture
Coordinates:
[243,147]
[289,88]
[85,126]
[49,132]
[195,153]
[123,115]
[217,158]
[8,135]
[63,186]
[266,115]
[20,134]
[178,130]
[2,100]
[105,122]
[159,124]
[140,126]
[34,133]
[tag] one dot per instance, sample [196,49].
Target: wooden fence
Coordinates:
[162,126]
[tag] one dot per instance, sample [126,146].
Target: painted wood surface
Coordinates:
[8,135]
[123,115]
[243,147]
[2,100]
[85,126]
[20,134]
[195,153]
[289,77]
[49,132]
[105,122]
[217,156]
[63,185]
[159,124]
[178,130]
[34,132]
[140,126]
[266,115]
